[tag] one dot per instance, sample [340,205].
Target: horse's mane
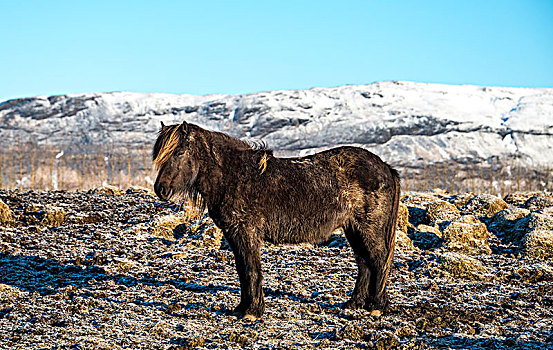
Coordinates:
[236,143]
[170,136]
[166,143]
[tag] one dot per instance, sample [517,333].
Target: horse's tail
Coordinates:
[391,230]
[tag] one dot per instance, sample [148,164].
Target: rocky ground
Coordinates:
[108,269]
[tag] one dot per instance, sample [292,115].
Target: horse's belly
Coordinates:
[300,231]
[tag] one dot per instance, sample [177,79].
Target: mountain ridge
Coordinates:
[406,123]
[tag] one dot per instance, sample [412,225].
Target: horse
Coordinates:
[255,197]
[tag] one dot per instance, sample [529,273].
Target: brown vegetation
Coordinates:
[29,166]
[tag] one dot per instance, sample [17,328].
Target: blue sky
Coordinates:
[202,47]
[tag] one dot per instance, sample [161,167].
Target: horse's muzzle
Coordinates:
[162,192]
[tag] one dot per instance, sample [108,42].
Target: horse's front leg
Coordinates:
[246,248]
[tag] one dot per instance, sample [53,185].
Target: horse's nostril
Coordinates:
[165,192]
[160,190]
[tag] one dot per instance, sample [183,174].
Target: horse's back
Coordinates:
[307,198]
[357,165]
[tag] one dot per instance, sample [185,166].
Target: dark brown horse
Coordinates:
[253,196]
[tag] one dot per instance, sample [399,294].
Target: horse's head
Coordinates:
[175,160]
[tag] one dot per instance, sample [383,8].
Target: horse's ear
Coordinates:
[162,125]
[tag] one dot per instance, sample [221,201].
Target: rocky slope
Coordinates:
[108,269]
[407,123]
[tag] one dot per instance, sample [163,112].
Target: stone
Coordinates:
[351,331]
[519,198]
[535,273]
[439,211]
[140,190]
[5,213]
[484,205]
[7,291]
[461,266]
[403,242]
[459,200]
[108,189]
[467,235]
[538,202]
[531,222]
[503,223]
[49,215]
[403,218]
[382,340]
[171,226]
[426,237]
[538,244]
[418,199]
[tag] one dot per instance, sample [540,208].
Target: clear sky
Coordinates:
[203,47]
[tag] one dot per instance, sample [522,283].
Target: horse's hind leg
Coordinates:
[371,255]
[361,289]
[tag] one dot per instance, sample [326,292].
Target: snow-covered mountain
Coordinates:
[405,123]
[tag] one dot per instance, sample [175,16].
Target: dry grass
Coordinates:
[29,166]
[497,178]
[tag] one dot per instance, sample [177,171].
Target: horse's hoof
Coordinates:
[250,318]
[376,313]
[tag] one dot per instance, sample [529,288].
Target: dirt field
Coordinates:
[106,271]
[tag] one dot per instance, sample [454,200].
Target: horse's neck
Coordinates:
[218,170]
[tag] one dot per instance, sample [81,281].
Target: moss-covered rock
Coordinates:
[538,244]
[5,213]
[382,340]
[204,233]
[466,235]
[188,228]
[418,199]
[535,273]
[483,205]
[538,202]
[518,199]
[170,227]
[461,266]
[403,218]
[403,242]
[503,223]
[140,190]
[7,292]
[51,216]
[54,216]
[349,332]
[108,189]
[531,222]
[426,237]
[416,204]
[459,200]
[439,211]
